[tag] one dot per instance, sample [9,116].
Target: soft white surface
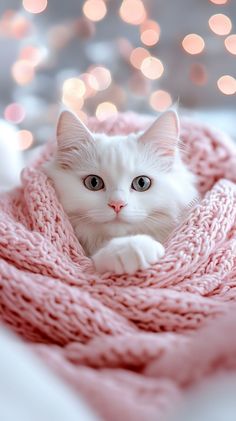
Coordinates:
[29,392]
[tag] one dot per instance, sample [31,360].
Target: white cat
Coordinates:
[123,194]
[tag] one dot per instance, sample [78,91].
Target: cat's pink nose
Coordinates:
[117,205]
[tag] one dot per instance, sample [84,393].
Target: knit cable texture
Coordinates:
[130,345]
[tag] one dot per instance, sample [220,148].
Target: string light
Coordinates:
[132,12]
[150,32]
[102,77]
[95,10]
[230,43]
[160,100]
[32,54]
[14,113]
[105,110]
[35,6]
[227,84]
[22,72]
[74,87]
[152,67]
[137,56]
[193,44]
[220,24]
[219,1]
[24,139]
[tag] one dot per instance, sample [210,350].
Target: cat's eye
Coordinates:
[141,183]
[94,182]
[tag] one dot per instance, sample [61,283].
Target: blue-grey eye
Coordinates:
[141,183]
[94,182]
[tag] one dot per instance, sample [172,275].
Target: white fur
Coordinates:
[131,240]
[11,162]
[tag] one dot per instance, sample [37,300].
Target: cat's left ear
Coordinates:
[163,135]
[73,137]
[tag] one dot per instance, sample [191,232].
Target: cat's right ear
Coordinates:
[72,137]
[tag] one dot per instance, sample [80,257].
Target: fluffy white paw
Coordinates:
[128,254]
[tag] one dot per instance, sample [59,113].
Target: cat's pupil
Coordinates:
[141,182]
[94,182]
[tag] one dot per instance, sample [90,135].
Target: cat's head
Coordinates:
[120,183]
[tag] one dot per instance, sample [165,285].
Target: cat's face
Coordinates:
[122,184]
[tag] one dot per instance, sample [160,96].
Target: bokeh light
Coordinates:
[152,67]
[95,10]
[22,72]
[219,1]
[102,77]
[90,83]
[193,44]
[18,26]
[220,24]
[24,139]
[160,100]
[150,32]
[230,43]
[227,84]
[14,113]
[35,6]
[106,110]
[137,56]
[74,87]
[32,54]
[133,12]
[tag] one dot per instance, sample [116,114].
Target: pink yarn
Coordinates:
[129,344]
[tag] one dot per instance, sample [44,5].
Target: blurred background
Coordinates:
[99,57]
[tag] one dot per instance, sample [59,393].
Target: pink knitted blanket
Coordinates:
[130,345]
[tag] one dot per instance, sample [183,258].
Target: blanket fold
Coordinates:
[124,342]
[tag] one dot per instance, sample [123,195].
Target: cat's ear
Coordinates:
[72,137]
[163,135]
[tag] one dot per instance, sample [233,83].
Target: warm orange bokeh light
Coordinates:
[150,32]
[219,1]
[193,44]
[230,43]
[74,87]
[220,24]
[227,84]
[14,113]
[18,26]
[95,10]
[105,110]
[102,77]
[152,67]
[90,83]
[133,12]
[31,54]
[160,100]
[22,72]
[34,6]
[137,56]
[24,139]
[73,91]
